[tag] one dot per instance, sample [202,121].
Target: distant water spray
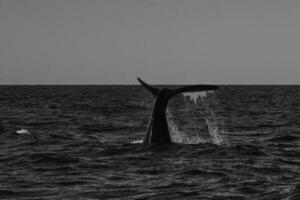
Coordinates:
[203,125]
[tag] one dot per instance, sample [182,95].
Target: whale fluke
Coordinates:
[158,130]
[195,88]
[151,89]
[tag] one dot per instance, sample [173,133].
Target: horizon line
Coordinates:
[116,84]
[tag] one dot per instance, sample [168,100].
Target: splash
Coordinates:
[201,123]
[194,96]
[180,136]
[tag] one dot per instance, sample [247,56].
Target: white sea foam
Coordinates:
[137,142]
[23,131]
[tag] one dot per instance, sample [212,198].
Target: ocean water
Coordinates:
[83,142]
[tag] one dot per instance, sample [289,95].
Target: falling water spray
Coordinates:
[197,105]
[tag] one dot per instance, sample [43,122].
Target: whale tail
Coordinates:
[172,92]
[158,130]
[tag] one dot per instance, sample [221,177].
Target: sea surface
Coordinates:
[84,142]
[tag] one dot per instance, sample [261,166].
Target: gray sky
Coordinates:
[162,41]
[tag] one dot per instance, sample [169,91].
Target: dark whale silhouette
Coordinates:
[158,130]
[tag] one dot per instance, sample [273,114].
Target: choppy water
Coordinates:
[80,146]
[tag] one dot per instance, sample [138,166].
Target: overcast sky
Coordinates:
[162,41]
